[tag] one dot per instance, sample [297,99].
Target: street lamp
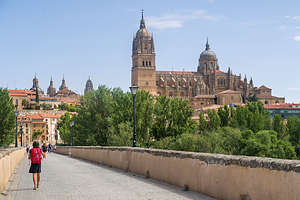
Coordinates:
[134,90]
[16,114]
[72,124]
[21,131]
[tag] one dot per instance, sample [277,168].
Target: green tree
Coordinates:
[172,117]
[36,133]
[25,104]
[202,123]
[46,106]
[144,118]
[279,126]
[224,115]
[64,128]
[94,117]
[293,128]
[121,135]
[214,121]
[266,144]
[7,118]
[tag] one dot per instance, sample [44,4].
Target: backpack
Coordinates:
[36,156]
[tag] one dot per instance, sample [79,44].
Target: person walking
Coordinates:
[35,155]
[44,148]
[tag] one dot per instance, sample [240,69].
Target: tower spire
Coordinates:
[207,45]
[142,24]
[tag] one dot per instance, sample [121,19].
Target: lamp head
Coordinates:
[134,89]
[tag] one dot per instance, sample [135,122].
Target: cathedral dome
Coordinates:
[208,54]
[143,32]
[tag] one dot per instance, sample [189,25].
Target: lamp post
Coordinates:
[72,124]
[134,90]
[21,131]
[16,114]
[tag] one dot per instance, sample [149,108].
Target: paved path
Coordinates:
[66,178]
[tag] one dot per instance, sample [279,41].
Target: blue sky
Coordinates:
[82,38]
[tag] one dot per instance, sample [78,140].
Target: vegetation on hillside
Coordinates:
[105,118]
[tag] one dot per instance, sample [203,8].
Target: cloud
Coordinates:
[297,27]
[297,37]
[294,89]
[169,21]
[282,27]
[293,17]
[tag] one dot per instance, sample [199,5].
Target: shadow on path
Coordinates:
[20,189]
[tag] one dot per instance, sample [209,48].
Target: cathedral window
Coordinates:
[150,63]
[143,63]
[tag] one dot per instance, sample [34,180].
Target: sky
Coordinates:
[81,38]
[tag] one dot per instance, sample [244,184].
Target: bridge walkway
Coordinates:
[65,178]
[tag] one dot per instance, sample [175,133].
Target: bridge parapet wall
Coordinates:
[9,159]
[221,176]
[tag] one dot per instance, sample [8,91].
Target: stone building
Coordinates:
[35,84]
[51,89]
[64,91]
[200,87]
[88,86]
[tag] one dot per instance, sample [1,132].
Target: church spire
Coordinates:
[207,45]
[142,24]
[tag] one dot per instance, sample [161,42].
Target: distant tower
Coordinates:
[245,88]
[51,89]
[88,86]
[63,84]
[251,83]
[143,59]
[208,62]
[35,84]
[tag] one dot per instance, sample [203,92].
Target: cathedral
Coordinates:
[206,86]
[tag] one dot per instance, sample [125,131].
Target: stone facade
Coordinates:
[88,86]
[51,89]
[207,81]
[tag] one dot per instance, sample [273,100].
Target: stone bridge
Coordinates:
[136,173]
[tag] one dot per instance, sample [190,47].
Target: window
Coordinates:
[150,63]
[17,101]
[143,63]
[146,63]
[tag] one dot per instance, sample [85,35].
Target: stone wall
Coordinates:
[220,176]
[9,159]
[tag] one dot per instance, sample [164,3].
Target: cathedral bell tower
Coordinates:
[143,59]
